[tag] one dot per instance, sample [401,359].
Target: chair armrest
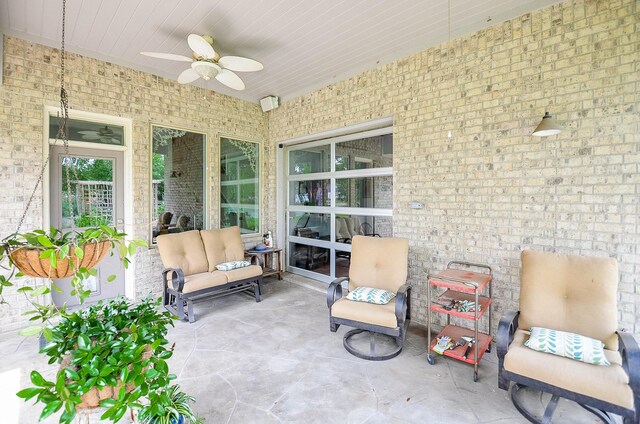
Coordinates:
[177,278]
[334,292]
[255,259]
[402,302]
[506,329]
[628,348]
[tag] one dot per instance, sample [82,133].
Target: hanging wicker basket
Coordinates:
[28,261]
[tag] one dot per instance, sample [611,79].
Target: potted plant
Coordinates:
[168,406]
[111,355]
[56,254]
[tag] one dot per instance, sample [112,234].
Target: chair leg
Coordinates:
[192,316]
[180,305]
[333,327]
[257,291]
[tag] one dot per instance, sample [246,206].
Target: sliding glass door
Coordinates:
[337,188]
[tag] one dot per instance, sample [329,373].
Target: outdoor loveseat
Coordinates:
[192,260]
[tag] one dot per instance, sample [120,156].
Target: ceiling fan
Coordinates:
[103,134]
[206,63]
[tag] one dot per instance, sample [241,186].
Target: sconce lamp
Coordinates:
[548,126]
[175,174]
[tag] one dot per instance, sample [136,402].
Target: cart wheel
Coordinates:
[475,377]
[430,360]
[489,348]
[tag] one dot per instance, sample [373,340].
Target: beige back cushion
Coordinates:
[379,263]
[184,251]
[570,293]
[222,245]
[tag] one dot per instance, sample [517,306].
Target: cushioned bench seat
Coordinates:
[190,260]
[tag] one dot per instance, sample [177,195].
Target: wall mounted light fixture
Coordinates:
[548,126]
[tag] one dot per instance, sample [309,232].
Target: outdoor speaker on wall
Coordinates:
[270,102]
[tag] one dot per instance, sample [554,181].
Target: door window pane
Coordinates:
[311,258]
[348,226]
[364,153]
[310,225]
[365,192]
[178,170]
[91,184]
[310,193]
[240,185]
[310,160]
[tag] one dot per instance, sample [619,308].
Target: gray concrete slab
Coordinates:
[277,362]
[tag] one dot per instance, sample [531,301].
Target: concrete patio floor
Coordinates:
[277,362]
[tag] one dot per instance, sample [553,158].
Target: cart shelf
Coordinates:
[456,333]
[450,295]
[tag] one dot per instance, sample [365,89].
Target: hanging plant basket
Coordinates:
[29,263]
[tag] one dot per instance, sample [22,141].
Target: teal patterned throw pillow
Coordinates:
[569,345]
[369,295]
[228,266]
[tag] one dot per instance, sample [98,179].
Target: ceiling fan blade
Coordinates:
[91,137]
[230,79]
[169,56]
[240,64]
[87,132]
[187,76]
[200,46]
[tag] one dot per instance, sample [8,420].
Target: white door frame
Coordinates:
[129,283]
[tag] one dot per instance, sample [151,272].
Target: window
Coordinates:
[240,185]
[177,180]
[92,132]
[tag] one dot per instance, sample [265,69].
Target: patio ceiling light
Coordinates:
[548,126]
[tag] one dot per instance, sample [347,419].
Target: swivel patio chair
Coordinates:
[376,263]
[574,294]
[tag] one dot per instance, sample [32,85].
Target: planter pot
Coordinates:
[28,261]
[92,398]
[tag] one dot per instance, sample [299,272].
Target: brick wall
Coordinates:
[31,73]
[493,190]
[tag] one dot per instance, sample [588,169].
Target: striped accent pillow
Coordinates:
[369,295]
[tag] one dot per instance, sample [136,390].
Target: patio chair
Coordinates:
[575,294]
[164,221]
[376,263]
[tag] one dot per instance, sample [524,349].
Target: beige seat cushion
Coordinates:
[242,273]
[609,383]
[184,251]
[570,293]
[383,315]
[378,262]
[203,280]
[224,245]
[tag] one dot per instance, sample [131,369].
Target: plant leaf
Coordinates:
[32,330]
[44,241]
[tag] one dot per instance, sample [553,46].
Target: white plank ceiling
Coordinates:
[303,44]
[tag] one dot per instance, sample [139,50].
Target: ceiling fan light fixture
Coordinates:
[206,70]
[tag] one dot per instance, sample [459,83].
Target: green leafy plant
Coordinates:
[56,247]
[91,220]
[168,406]
[116,345]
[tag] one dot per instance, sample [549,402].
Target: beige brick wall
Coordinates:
[31,73]
[493,190]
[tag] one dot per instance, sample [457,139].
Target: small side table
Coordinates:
[266,261]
